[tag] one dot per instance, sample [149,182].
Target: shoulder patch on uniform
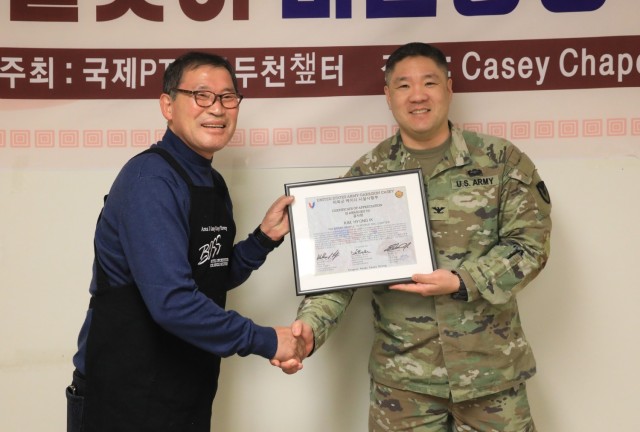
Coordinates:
[544,193]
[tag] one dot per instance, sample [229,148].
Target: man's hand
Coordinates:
[290,349]
[305,343]
[276,221]
[439,282]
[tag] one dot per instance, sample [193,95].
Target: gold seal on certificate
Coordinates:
[359,231]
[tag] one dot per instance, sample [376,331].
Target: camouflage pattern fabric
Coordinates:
[398,410]
[490,220]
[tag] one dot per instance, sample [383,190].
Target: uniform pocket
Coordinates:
[75,409]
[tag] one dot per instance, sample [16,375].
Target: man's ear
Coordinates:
[166,106]
[387,96]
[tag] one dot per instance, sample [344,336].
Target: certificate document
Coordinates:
[359,231]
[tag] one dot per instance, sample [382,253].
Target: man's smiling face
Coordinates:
[418,94]
[204,130]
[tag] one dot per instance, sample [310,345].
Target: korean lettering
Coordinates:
[125,72]
[45,11]
[330,64]
[118,8]
[245,69]
[10,68]
[97,74]
[42,72]
[273,69]
[304,67]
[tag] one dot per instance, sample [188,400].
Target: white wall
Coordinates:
[580,314]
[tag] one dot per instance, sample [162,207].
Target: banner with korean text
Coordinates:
[80,81]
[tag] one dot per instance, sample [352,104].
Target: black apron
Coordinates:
[140,377]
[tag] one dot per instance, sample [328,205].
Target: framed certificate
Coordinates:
[359,231]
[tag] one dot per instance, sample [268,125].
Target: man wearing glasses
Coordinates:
[149,350]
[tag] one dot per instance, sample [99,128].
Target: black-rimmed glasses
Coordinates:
[205,98]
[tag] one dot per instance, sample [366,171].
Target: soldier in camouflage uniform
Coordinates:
[449,351]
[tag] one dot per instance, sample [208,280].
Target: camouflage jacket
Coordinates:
[490,220]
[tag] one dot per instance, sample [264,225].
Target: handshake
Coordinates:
[295,343]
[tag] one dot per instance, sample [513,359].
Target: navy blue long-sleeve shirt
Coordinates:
[143,237]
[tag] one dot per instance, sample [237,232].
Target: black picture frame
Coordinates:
[355,232]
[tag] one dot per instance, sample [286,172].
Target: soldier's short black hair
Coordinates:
[415,49]
[189,61]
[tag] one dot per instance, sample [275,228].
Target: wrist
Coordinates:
[462,293]
[266,241]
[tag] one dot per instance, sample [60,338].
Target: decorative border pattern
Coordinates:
[325,135]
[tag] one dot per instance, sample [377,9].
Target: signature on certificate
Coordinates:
[398,246]
[359,251]
[328,257]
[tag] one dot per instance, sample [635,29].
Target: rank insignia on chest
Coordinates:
[438,210]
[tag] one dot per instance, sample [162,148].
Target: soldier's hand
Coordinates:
[305,343]
[439,282]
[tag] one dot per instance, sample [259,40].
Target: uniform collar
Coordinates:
[457,155]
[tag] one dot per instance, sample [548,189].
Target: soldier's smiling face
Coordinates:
[419,93]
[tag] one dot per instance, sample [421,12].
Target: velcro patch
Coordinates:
[544,193]
[474,182]
[438,210]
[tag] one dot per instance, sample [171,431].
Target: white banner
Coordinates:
[79,83]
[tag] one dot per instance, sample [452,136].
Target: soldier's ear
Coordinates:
[387,96]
